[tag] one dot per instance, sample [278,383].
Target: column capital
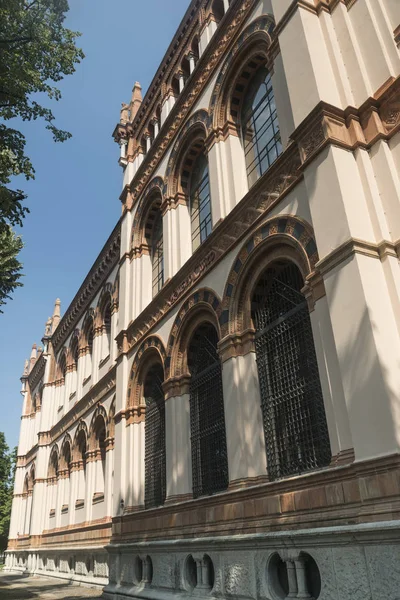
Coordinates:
[236,344]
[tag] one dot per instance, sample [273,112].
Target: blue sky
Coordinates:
[74,198]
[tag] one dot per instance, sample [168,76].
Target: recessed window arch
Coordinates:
[62,367]
[207,415]
[295,426]
[259,125]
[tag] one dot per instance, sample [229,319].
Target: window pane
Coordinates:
[260,128]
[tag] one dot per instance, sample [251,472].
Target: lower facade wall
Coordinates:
[87,566]
[342,563]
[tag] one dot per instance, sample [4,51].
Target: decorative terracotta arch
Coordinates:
[62,363]
[32,476]
[254,41]
[89,321]
[100,411]
[82,427]
[203,305]
[150,351]
[284,236]
[196,127]
[75,339]
[52,472]
[153,191]
[111,420]
[64,467]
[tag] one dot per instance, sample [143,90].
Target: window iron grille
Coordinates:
[295,427]
[155,464]
[207,418]
[260,127]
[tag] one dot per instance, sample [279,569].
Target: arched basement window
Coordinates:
[207,416]
[157,256]
[200,201]
[155,462]
[295,427]
[260,127]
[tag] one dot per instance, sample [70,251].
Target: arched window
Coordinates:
[99,428]
[200,201]
[157,256]
[207,417]
[155,482]
[90,335]
[62,367]
[295,428]
[260,127]
[66,458]
[53,464]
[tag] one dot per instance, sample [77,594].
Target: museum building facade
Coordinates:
[217,413]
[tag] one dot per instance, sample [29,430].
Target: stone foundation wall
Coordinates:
[340,563]
[89,566]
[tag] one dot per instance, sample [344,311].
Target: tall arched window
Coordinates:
[155,462]
[260,127]
[99,428]
[207,417]
[200,201]
[157,256]
[106,345]
[295,428]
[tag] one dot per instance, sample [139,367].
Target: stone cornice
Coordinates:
[214,53]
[101,269]
[37,372]
[355,246]
[168,62]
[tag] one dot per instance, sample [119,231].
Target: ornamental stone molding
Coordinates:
[150,351]
[202,305]
[286,231]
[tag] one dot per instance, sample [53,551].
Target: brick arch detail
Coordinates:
[155,188]
[81,427]
[54,451]
[66,440]
[204,304]
[255,39]
[99,411]
[295,238]
[198,122]
[153,349]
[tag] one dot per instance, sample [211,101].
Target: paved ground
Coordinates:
[18,587]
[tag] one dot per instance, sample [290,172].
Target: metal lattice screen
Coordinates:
[207,417]
[155,482]
[295,428]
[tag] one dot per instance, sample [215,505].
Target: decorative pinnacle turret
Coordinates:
[33,357]
[56,315]
[136,100]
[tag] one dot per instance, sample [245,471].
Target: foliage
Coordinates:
[10,267]
[36,50]
[7,473]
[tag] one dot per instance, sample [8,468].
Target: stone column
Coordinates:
[177,235]
[243,416]
[181,78]
[192,63]
[178,440]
